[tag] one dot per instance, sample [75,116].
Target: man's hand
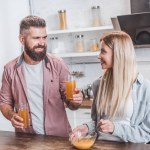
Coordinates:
[76,101]
[16,121]
[14,118]
[78,97]
[106,126]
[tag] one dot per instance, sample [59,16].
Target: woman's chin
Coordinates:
[103,67]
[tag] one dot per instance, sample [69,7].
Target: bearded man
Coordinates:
[37,79]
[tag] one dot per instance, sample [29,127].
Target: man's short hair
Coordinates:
[31,21]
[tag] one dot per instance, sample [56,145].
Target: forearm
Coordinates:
[7,111]
[135,134]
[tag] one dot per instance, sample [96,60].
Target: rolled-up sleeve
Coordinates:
[6,92]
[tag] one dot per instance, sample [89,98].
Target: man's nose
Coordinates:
[42,41]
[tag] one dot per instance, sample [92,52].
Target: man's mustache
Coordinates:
[39,46]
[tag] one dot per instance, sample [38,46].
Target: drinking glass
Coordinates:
[70,87]
[24,114]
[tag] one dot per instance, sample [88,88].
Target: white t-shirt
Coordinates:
[34,82]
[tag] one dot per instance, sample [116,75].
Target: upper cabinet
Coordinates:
[75,27]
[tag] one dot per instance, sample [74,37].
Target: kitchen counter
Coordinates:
[86,103]
[13,141]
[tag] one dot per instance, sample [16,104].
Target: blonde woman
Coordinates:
[121,107]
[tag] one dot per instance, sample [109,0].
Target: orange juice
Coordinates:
[83,143]
[70,89]
[24,114]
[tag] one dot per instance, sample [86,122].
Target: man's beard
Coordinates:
[36,56]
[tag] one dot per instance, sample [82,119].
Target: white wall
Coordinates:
[79,11]
[11,12]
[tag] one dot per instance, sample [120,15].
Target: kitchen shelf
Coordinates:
[83,54]
[100,28]
[79,57]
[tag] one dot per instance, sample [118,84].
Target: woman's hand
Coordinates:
[106,126]
[82,130]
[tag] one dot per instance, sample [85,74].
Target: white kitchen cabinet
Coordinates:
[78,117]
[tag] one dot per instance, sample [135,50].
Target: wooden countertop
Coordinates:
[86,103]
[12,141]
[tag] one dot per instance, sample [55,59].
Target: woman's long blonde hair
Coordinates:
[116,83]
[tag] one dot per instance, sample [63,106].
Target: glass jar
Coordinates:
[96,16]
[94,45]
[79,43]
[54,44]
[62,19]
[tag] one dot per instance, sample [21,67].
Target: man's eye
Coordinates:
[103,52]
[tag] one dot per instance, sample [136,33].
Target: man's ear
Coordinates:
[21,38]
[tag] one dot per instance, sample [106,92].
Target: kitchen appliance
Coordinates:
[88,92]
[140,6]
[137,26]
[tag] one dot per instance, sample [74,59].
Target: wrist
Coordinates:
[74,105]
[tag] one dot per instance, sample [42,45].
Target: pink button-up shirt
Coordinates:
[14,92]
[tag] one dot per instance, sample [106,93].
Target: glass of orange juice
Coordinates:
[24,114]
[70,87]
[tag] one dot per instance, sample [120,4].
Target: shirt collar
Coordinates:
[140,78]
[20,60]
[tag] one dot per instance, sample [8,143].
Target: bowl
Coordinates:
[83,141]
